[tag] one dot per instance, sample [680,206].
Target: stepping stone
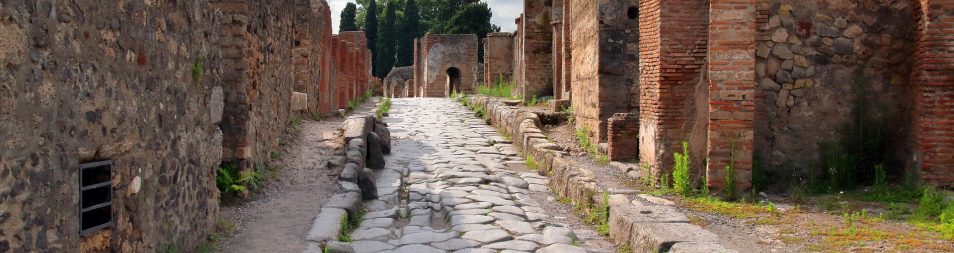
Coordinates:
[473,227]
[417,248]
[562,248]
[370,246]
[516,227]
[510,209]
[377,223]
[488,236]
[426,237]
[376,234]
[455,244]
[497,201]
[513,245]
[471,219]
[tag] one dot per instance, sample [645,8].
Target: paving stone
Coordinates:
[338,247]
[377,234]
[515,182]
[493,200]
[476,251]
[377,223]
[516,227]
[488,236]
[699,247]
[327,226]
[455,201]
[417,248]
[506,216]
[456,244]
[562,248]
[370,246]
[494,188]
[513,245]
[471,219]
[469,212]
[492,194]
[475,205]
[539,188]
[426,237]
[537,238]
[473,227]
[510,209]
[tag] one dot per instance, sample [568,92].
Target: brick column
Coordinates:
[731,91]
[623,138]
[672,36]
[537,50]
[934,91]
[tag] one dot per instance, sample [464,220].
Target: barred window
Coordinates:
[96,196]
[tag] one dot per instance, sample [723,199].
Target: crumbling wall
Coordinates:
[326,93]
[135,82]
[498,58]
[443,52]
[847,62]
[606,69]
[361,72]
[395,82]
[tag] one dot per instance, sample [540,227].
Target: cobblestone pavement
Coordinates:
[449,186]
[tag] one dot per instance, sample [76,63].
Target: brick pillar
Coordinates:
[416,80]
[934,91]
[567,56]
[537,48]
[673,35]
[731,91]
[623,137]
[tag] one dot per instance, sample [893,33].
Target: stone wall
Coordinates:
[498,58]
[326,97]
[135,82]
[566,63]
[361,72]
[536,49]
[441,54]
[934,91]
[606,69]
[847,62]
[519,56]
[395,84]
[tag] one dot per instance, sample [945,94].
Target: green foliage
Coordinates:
[730,174]
[531,164]
[947,216]
[680,172]
[198,70]
[387,51]
[583,139]
[533,101]
[316,116]
[344,234]
[410,29]
[348,16]
[930,204]
[371,33]
[471,18]
[500,89]
[571,118]
[383,108]
[230,180]
[603,227]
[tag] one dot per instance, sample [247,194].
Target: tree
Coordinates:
[371,31]
[386,46]
[473,18]
[410,29]
[348,18]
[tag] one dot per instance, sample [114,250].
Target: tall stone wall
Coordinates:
[536,49]
[417,88]
[361,72]
[498,58]
[441,54]
[519,57]
[848,62]
[934,91]
[135,82]
[556,46]
[258,78]
[673,43]
[606,69]
[566,63]
[326,93]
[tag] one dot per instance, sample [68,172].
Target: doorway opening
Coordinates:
[453,80]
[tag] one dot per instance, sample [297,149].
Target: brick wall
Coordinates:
[623,137]
[361,64]
[673,35]
[519,55]
[441,53]
[731,67]
[567,62]
[934,96]
[326,95]
[537,49]
[498,57]
[416,86]
[556,49]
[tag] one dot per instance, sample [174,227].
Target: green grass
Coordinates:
[383,108]
[582,139]
[533,102]
[680,172]
[500,88]
[198,71]
[531,164]
[571,118]
[230,180]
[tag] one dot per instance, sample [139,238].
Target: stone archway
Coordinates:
[453,80]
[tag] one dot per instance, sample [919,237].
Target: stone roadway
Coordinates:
[449,186]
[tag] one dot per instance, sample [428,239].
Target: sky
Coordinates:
[505,11]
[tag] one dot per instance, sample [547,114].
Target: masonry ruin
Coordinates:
[746,82]
[445,64]
[398,82]
[162,93]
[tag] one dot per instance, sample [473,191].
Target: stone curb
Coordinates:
[355,179]
[645,228]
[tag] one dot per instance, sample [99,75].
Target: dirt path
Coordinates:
[279,216]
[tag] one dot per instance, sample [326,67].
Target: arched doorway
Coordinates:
[453,80]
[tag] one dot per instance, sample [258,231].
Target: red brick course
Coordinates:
[934,96]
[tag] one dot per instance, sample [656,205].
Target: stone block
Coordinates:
[657,237]
[327,225]
[299,101]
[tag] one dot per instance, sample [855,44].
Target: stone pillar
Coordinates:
[731,74]
[623,134]
[537,49]
[566,80]
[934,91]
[556,26]
[673,35]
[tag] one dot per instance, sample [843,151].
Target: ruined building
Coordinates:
[782,82]
[444,64]
[398,82]
[116,115]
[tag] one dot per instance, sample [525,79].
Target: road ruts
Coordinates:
[450,186]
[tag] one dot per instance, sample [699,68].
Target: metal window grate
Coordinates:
[96,196]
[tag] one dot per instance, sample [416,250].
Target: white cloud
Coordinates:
[505,11]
